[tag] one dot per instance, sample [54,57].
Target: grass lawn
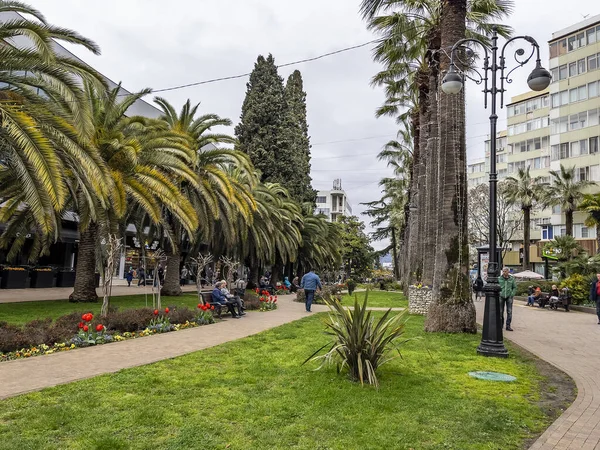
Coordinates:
[255,394]
[20,313]
[379,298]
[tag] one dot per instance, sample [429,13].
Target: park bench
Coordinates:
[207,298]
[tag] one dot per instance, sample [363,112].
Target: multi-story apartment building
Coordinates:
[574,113]
[334,203]
[560,125]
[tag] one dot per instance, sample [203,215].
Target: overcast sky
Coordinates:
[159,44]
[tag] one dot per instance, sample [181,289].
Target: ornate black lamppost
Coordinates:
[491,340]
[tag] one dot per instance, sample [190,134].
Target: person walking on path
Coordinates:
[183,278]
[310,282]
[129,277]
[508,289]
[141,277]
[478,288]
[595,295]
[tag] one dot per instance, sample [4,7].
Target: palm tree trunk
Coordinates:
[395,255]
[171,283]
[452,309]
[431,204]
[597,238]
[85,272]
[526,237]
[569,221]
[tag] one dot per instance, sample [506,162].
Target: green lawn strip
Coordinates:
[254,393]
[379,299]
[21,313]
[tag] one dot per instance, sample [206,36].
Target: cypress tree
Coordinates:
[261,131]
[300,182]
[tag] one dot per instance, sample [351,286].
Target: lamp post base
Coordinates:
[493,349]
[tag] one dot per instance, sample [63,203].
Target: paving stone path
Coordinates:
[571,342]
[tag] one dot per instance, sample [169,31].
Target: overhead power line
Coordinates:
[242,75]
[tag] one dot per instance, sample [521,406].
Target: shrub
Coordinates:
[351,285]
[129,319]
[251,300]
[332,291]
[12,338]
[523,286]
[359,342]
[181,314]
[579,288]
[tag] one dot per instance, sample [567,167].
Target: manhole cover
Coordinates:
[492,376]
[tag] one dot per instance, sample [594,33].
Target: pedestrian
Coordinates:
[530,296]
[161,275]
[310,283]
[184,274]
[141,277]
[240,287]
[129,277]
[595,295]
[478,288]
[508,289]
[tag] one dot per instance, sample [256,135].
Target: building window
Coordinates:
[572,69]
[322,199]
[562,47]
[591,37]
[554,49]
[593,144]
[562,72]
[547,234]
[553,74]
[584,232]
[593,89]
[572,41]
[592,117]
[592,62]
[581,66]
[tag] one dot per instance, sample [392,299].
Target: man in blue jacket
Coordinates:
[310,282]
[595,295]
[218,297]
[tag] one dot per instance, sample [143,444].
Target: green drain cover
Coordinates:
[492,376]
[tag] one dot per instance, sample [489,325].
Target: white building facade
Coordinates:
[333,203]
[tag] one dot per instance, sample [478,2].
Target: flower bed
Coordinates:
[267,302]
[74,331]
[14,278]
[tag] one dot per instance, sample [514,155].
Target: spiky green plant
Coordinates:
[360,343]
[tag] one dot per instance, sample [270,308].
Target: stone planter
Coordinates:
[419,300]
[14,279]
[65,279]
[42,279]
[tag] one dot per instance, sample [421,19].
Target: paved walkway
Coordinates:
[31,374]
[571,342]
[34,295]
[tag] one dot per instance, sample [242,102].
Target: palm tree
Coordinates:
[410,48]
[143,157]
[565,191]
[591,205]
[45,122]
[219,194]
[524,191]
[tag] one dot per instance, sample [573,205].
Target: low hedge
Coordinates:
[330,290]
[48,332]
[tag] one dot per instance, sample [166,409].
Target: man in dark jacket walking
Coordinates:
[595,295]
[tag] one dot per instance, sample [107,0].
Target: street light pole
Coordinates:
[492,343]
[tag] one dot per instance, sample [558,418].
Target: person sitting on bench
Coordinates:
[235,299]
[218,297]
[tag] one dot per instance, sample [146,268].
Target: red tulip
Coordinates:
[275,301]
[200,305]
[156,312]
[212,307]
[85,328]
[166,310]
[99,327]
[80,325]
